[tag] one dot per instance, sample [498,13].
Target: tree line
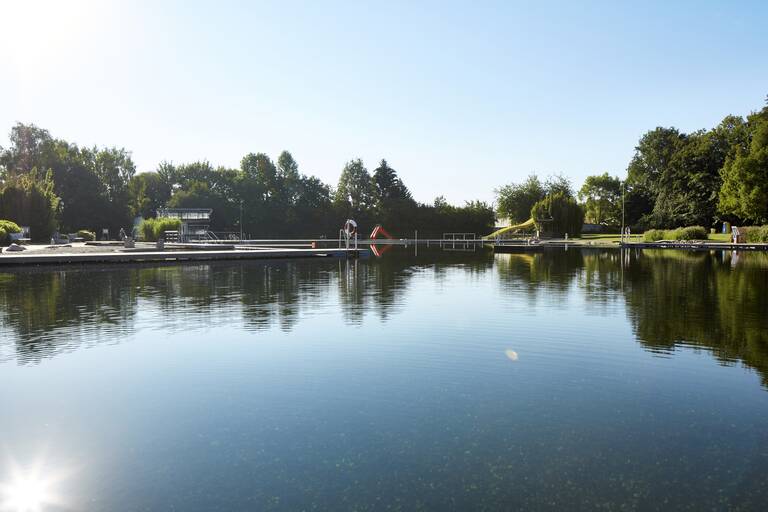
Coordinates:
[674,179]
[49,183]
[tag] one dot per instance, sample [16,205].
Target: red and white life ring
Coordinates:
[350,228]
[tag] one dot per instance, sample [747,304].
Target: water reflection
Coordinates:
[710,300]
[703,299]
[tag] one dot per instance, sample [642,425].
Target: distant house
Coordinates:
[194,221]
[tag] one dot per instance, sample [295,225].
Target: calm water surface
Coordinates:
[556,380]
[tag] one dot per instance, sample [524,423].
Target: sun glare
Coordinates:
[28,491]
[25,495]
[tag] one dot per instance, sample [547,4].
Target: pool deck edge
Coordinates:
[8,260]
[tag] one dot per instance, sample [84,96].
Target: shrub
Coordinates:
[6,228]
[756,234]
[653,235]
[86,235]
[29,200]
[147,229]
[689,233]
[152,229]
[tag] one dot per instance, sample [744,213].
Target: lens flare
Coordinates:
[27,490]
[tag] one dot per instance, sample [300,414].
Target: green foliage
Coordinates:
[653,235]
[558,184]
[6,228]
[9,226]
[99,188]
[558,214]
[687,233]
[602,199]
[29,200]
[355,190]
[86,235]
[652,159]
[153,229]
[755,234]
[744,193]
[690,233]
[516,200]
[679,175]
[147,193]
[91,183]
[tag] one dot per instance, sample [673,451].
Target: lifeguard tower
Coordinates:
[194,222]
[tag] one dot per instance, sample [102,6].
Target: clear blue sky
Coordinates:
[459,97]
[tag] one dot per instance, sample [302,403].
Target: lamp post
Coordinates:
[241,220]
[623,229]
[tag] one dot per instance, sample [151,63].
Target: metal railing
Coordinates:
[459,236]
[345,239]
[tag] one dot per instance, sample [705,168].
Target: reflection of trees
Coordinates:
[53,311]
[672,297]
[57,311]
[703,299]
[699,299]
[277,292]
[381,284]
[539,273]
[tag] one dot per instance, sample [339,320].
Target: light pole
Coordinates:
[623,230]
[241,220]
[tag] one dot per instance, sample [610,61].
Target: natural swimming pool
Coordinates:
[435,380]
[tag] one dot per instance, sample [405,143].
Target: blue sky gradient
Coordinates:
[459,97]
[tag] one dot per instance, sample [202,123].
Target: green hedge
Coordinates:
[86,235]
[152,229]
[691,233]
[653,235]
[6,228]
[688,233]
[755,234]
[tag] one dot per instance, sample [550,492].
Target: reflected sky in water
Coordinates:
[438,381]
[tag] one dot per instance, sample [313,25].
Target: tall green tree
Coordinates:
[558,214]
[652,159]
[601,195]
[288,178]
[388,185]
[676,176]
[558,184]
[355,190]
[744,194]
[515,201]
[147,193]
[92,183]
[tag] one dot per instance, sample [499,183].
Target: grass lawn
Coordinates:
[611,238]
[720,237]
[608,238]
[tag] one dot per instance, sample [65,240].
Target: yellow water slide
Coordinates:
[527,224]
